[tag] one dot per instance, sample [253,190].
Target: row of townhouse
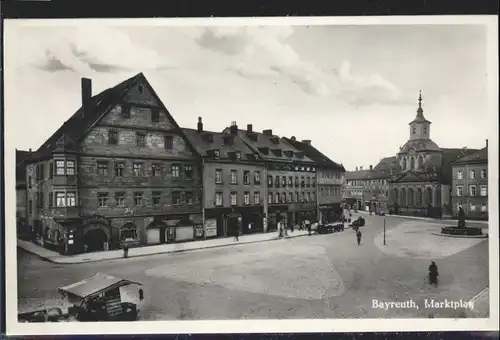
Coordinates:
[122,172]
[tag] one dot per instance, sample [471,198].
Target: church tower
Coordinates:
[420,128]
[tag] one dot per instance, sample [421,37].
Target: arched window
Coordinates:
[419,162]
[403,163]
[411,196]
[129,232]
[412,163]
[402,198]
[419,197]
[429,197]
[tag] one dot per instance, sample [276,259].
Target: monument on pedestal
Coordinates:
[461,229]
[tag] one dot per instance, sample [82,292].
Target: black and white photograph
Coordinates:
[288,174]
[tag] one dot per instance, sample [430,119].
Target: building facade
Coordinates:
[470,185]
[233,182]
[330,176]
[354,186]
[421,180]
[291,183]
[120,172]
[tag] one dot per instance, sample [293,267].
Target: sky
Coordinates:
[351,89]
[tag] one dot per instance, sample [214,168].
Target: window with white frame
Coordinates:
[256,177]
[60,199]
[460,190]
[176,171]
[246,177]
[483,173]
[472,190]
[472,174]
[460,174]
[472,207]
[71,199]
[484,207]
[246,198]
[256,197]
[120,198]
[218,198]
[60,168]
[218,176]
[484,190]
[270,198]
[234,176]
[70,167]
[234,198]
[138,169]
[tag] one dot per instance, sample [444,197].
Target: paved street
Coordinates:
[322,276]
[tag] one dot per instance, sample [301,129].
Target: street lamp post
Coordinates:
[384,230]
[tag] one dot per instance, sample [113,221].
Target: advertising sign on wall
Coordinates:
[211,227]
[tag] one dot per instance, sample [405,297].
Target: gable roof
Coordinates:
[449,157]
[78,125]
[202,146]
[480,156]
[264,141]
[356,175]
[315,154]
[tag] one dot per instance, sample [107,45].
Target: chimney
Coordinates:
[249,128]
[361,168]
[234,128]
[268,133]
[356,168]
[200,125]
[486,142]
[30,150]
[293,139]
[371,167]
[86,90]
[306,141]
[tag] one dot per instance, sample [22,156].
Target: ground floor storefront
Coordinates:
[291,215]
[101,233]
[223,222]
[330,212]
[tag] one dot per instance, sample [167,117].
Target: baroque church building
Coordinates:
[421,178]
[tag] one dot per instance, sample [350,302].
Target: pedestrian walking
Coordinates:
[358,236]
[433,274]
[239,227]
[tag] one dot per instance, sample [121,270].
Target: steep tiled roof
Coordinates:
[202,145]
[450,156]
[355,175]
[21,157]
[264,141]
[78,123]
[315,154]
[479,156]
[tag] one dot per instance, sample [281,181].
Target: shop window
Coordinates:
[129,232]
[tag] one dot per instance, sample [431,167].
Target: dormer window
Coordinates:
[238,155]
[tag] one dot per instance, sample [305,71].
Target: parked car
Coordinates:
[359,222]
[326,228]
